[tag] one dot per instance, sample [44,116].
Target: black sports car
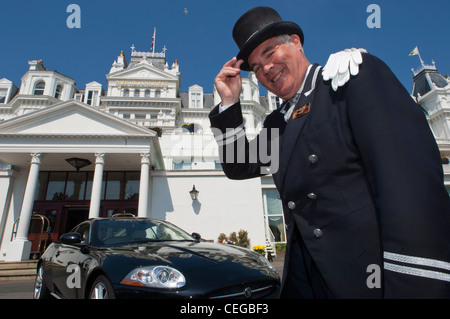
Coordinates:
[105,258]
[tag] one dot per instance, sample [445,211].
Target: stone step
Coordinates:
[21,270]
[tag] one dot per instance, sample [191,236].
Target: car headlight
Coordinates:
[155,277]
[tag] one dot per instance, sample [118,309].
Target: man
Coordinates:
[359,174]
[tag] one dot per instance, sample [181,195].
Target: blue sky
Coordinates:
[201,40]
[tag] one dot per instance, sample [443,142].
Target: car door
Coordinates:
[65,265]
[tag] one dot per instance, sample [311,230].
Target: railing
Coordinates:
[423,67]
[270,240]
[148,54]
[39,239]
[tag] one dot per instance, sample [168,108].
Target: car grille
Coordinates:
[255,290]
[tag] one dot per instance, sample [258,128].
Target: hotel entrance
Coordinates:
[63,199]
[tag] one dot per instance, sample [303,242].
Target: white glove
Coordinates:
[340,65]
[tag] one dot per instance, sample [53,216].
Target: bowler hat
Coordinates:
[256,26]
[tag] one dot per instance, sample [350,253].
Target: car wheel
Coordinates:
[40,287]
[101,289]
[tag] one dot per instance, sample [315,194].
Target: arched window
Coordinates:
[126,92]
[137,93]
[58,91]
[39,88]
[157,93]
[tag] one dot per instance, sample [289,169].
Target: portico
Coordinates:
[39,143]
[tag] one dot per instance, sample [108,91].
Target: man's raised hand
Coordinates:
[228,82]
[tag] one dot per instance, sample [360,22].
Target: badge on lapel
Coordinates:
[301,111]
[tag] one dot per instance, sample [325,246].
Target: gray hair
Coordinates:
[286,39]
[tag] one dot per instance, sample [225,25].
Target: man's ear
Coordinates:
[295,41]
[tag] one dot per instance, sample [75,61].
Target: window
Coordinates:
[89,98]
[58,91]
[126,92]
[147,93]
[73,186]
[76,185]
[92,98]
[196,100]
[275,101]
[3,95]
[114,185]
[137,93]
[157,93]
[56,186]
[39,88]
[132,180]
[273,213]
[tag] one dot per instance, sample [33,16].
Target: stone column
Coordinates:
[21,246]
[94,209]
[143,185]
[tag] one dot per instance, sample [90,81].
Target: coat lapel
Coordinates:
[296,122]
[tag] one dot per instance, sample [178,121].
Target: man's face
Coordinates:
[279,67]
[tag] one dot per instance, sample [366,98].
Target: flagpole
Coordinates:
[416,52]
[154,40]
[421,61]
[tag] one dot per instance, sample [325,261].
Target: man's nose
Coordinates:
[267,67]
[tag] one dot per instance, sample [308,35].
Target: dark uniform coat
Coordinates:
[361,182]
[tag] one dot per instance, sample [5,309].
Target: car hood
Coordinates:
[189,255]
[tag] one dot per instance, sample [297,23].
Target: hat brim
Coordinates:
[270,31]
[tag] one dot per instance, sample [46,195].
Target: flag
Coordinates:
[153,40]
[414,52]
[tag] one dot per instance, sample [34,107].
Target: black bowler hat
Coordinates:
[256,26]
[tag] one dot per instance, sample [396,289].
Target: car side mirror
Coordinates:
[196,236]
[71,238]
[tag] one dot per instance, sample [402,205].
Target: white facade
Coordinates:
[432,91]
[147,145]
[140,127]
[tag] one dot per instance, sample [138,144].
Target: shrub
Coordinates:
[280,246]
[243,239]
[240,239]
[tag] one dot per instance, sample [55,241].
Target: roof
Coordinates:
[426,78]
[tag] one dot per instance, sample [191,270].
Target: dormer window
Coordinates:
[196,97]
[195,100]
[275,102]
[39,88]
[3,95]
[58,91]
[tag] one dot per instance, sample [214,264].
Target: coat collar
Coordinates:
[294,124]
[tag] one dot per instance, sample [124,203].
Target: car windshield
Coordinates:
[112,232]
